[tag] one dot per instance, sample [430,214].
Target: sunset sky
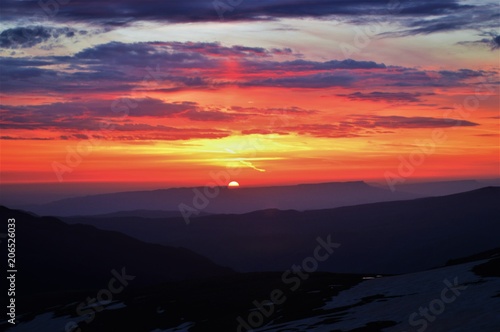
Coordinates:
[278,91]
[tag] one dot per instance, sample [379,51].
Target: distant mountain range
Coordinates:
[152,214]
[442,188]
[61,264]
[388,237]
[225,200]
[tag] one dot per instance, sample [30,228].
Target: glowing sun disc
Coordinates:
[233,184]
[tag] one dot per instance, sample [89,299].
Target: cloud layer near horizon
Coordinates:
[113,82]
[327,89]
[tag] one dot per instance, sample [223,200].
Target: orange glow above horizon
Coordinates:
[270,109]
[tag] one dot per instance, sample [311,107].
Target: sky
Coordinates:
[176,93]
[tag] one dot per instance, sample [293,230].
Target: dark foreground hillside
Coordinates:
[322,302]
[389,237]
[74,276]
[53,256]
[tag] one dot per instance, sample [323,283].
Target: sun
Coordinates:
[233,184]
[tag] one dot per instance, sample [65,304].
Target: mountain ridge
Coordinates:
[85,255]
[444,227]
[239,200]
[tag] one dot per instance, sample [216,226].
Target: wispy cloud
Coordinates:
[358,125]
[120,68]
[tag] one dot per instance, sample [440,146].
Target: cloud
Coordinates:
[50,114]
[276,111]
[402,122]
[11,138]
[305,65]
[80,115]
[316,81]
[493,42]
[108,67]
[24,37]
[120,68]
[410,77]
[167,55]
[99,108]
[197,115]
[391,97]
[404,17]
[118,13]
[70,119]
[215,49]
[337,130]
[161,132]
[76,119]
[361,125]
[113,131]
[461,74]
[263,132]
[450,17]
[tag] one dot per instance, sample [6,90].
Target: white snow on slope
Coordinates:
[475,308]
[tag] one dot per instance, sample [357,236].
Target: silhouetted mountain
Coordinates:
[493,182]
[153,214]
[52,255]
[389,237]
[439,188]
[320,302]
[224,200]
